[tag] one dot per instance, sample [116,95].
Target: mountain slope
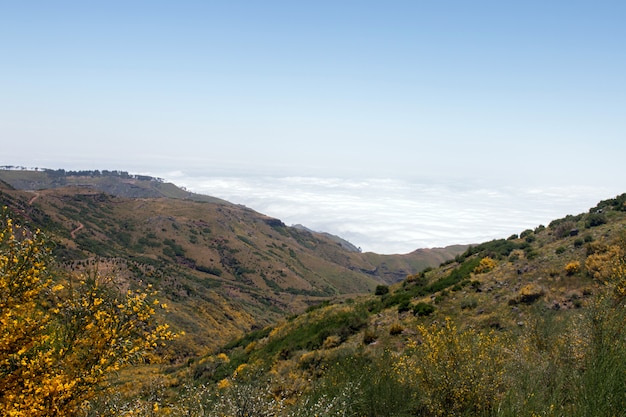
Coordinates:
[222,268]
[530,325]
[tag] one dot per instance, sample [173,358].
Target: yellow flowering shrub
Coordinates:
[572,268]
[530,293]
[458,372]
[601,263]
[486,264]
[609,267]
[61,338]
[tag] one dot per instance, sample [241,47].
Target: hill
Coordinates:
[223,269]
[529,325]
[116,183]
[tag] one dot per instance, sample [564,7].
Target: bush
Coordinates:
[381,290]
[61,337]
[209,270]
[457,275]
[595,219]
[396,329]
[458,372]
[526,233]
[572,268]
[422,309]
[529,294]
[486,264]
[404,307]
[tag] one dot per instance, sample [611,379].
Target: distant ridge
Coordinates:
[340,241]
[117,183]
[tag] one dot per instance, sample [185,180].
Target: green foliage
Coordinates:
[250,337]
[457,275]
[370,386]
[526,233]
[404,306]
[317,306]
[530,238]
[172,249]
[618,203]
[563,227]
[381,290]
[595,219]
[397,298]
[342,322]
[496,249]
[62,336]
[245,240]
[423,309]
[209,270]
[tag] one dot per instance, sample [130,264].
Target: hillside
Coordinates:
[283,321]
[222,268]
[529,325]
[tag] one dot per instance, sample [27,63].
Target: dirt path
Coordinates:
[32,200]
[73,232]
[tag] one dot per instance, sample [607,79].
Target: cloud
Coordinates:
[399,216]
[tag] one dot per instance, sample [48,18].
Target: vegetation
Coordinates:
[532,325]
[224,268]
[61,337]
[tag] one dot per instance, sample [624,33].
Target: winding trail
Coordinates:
[32,200]
[73,232]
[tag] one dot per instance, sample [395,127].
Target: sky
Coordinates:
[266,101]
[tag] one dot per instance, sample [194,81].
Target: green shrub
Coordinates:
[404,306]
[381,290]
[422,309]
[595,219]
[526,233]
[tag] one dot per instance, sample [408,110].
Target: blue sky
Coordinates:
[507,93]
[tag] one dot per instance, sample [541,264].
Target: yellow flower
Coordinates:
[223,384]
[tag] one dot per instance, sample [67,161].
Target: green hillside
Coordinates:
[282,321]
[529,325]
[222,268]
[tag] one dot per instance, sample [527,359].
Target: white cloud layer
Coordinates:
[398,216]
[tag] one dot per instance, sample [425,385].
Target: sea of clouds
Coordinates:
[398,216]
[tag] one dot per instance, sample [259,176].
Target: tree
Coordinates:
[381,290]
[62,336]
